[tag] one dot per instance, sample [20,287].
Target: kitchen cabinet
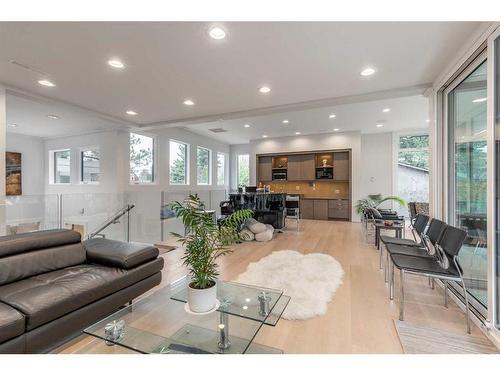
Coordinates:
[301,167]
[320,209]
[338,208]
[265,169]
[341,166]
[293,172]
[307,208]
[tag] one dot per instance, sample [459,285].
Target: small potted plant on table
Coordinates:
[204,242]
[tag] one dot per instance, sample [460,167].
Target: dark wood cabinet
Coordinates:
[338,208]
[307,208]
[294,164]
[265,169]
[341,166]
[301,167]
[320,209]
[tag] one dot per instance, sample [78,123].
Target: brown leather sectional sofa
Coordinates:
[53,285]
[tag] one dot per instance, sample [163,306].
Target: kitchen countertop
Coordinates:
[328,198]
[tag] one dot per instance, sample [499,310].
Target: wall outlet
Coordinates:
[297,187]
[337,191]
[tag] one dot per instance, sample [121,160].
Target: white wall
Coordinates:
[32,150]
[377,164]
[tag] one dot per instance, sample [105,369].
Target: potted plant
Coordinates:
[375,200]
[204,242]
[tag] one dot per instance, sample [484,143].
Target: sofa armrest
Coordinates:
[118,254]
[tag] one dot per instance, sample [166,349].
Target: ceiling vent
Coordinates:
[218,130]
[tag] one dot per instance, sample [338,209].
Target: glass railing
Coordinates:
[29,213]
[150,221]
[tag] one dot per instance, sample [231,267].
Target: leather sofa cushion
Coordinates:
[118,254]
[21,266]
[11,323]
[20,243]
[49,296]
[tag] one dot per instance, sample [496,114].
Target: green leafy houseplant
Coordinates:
[206,241]
[375,200]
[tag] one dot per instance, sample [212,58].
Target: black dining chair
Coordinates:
[444,266]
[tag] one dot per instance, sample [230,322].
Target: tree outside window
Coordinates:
[141,159]
[90,168]
[203,165]
[178,163]
[243,170]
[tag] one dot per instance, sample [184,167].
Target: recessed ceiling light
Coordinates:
[367,72]
[427,120]
[285,121]
[265,90]
[385,110]
[188,102]
[246,125]
[297,133]
[379,125]
[264,136]
[131,113]
[46,82]
[53,117]
[479,100]
[217,33]
[116,64]
[336,130]
[332,115]
[12,125]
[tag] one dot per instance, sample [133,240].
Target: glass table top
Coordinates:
[159,322]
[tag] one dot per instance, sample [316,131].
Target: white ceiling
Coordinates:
[171,61]
[29,115]
[406,113]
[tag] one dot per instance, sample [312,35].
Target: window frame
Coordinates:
[209,182]
[154,174]
[53,166]
[81,167]
[224,183]
[186,167]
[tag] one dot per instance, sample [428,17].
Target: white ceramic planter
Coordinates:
[202,300]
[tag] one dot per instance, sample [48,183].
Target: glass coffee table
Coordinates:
[160,323]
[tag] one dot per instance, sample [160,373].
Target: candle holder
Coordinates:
[114,331]
[264,300]
[224,342]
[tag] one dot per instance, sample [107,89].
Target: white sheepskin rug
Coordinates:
[310,280]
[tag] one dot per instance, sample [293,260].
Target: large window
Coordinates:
[221,168]
[141,159]
[178,163]
[62,167]
[467,175]
[243,170]
[90,165]
[203,166]
[413,169]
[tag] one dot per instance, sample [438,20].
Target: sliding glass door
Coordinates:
[467,176]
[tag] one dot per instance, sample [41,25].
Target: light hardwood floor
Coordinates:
[359,318]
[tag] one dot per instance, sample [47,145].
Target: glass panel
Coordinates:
[497,172]
[467,179]
[413,169]
[141,159]
[243,170]
[203,165]
[62,162]
[90,165]
[178,163]
[221,169]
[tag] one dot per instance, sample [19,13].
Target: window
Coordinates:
[221,168]
[467,177]
[178,163]
[413,169]
[62,167]
[203,166]
[90,165]
[243,170]
[141,159]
